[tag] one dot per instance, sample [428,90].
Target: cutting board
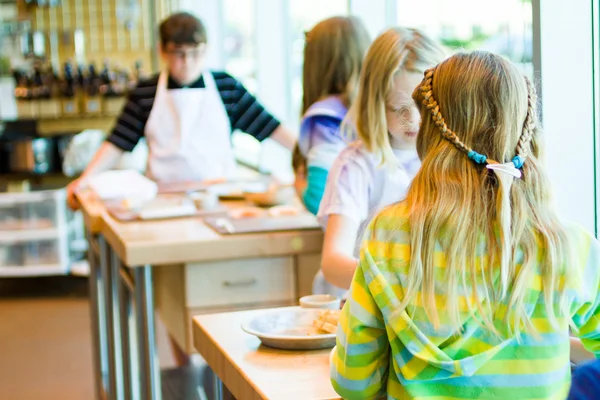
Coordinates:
[304,221]
[170,209]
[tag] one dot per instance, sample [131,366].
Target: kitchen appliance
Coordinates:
[32,155]
[22,151]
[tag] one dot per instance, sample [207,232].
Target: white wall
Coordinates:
[211,14]
[377,15]
[273,73]
[567,98]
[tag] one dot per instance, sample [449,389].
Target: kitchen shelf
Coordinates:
[37,270]
[31,175]
[70,125]
[26,235]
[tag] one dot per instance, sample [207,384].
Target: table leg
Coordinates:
[124,300]
[217,387]
[113,367]
[144,311]
[99,356]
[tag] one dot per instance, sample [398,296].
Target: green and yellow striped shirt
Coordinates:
[382,349]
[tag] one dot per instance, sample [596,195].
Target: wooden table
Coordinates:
[252,371]
[184,268]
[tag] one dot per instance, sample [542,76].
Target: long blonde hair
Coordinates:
[473,106]
[394,51]
[333,57]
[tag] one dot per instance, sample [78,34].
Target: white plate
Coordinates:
[236,189]
[290,329]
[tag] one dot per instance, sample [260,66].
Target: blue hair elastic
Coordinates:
[518,161]
[475,156]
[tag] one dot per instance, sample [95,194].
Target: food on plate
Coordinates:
[204,200]
[270,196]
[246,212]
[327,321]
[233,190]
[167,207]
[132,203]
[215,181]
[278,211]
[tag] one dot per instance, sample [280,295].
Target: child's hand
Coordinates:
[579,353]
[300,182]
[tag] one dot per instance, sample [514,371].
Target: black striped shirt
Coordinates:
[243,109]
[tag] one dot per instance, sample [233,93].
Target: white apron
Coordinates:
[188,134]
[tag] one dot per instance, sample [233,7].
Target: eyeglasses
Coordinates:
[399,110]
[183,54]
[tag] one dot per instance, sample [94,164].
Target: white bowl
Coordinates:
[322,301]
[289,329]
[204,200]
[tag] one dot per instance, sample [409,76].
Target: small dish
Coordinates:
[290,329]
[204,200]
[235,190]
[282,211]
[246,212]
[266,199]
[321,301]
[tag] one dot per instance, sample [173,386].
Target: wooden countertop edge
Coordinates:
[118,247]
[232,377]
[222,247]
[251,245]
[92,211]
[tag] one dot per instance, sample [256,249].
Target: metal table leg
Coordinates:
[120,341]
[217,387]
[99,357]
[150,387]
[125,289]
[111,297]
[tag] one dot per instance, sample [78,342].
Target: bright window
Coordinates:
[500,26]
[239,48]
[304,15]
[239,41]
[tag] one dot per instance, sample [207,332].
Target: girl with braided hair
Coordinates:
[377,168]
[467,288]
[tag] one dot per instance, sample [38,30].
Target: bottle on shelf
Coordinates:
[91,89]
[82,85]
[136,76]
[52,81]
[113,98]
[106,79]
[26,108]
[121,81]
[70,105]
[48,105]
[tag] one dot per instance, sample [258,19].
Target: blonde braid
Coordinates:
[523,146]
[434,109]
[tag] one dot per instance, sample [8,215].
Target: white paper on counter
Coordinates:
[123,184]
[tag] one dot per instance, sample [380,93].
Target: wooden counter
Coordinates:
[92,210]
[198,271]
[252,371]
[189,239]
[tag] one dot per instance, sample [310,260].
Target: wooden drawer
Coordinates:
[240,282]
